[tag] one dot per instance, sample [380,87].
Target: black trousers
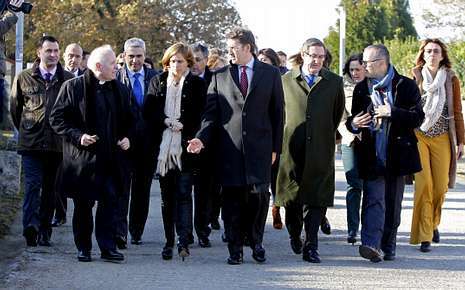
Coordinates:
[298,216]
[141,182]
[60,202]
[176,206]
[244,213]
[203,184]
[217,201]
[83,221]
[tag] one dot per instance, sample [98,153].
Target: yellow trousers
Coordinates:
[430,186]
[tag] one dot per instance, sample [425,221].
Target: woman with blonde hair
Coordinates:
[174,105]
[440,139]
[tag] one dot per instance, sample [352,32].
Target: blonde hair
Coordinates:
[176,48]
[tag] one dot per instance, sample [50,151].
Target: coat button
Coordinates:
[244,133]
[308,138]
[308,117]
[244,114]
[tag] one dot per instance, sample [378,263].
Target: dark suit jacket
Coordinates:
[249,129]
[192,104]
[142,143]
[406,115]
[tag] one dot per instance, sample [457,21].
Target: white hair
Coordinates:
[134,42]
[98,55]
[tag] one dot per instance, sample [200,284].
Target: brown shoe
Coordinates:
[277,223]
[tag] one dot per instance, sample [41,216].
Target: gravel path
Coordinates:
[341,267]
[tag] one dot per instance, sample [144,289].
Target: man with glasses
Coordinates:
[385,111]
[136,77]
[314,99]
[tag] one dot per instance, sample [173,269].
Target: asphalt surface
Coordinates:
[341,267]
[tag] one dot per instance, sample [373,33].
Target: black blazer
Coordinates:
[249,129]
[142,143]
[192,104]
[406,115]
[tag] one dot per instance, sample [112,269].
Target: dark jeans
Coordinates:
[140,194]
[354,189]
[176,206]
[203,185]
[244,213]
[40,171]
[298,216]
[381,208]
[83,221]
[3,96]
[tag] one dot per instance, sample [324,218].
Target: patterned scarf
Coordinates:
[435,91]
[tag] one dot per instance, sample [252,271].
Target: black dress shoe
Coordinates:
[235,259]
[351,238]
[204,243]
[30,234]
[389,257]
[121,242]
[44,240]
[370,253]
[325,226]
[190,239]
[258,254]
[246,241]
[296,246]
[136,240]
[425,247]
[311,256]
[223,238]
[215,225]
[84,256]
[436,237]
[58,222]
[112,256]
[167,253]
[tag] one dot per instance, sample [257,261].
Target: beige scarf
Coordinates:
[171,148]
[435,92]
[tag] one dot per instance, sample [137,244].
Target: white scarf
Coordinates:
[435,91]
[171,147]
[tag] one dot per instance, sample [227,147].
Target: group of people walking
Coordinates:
[233,134]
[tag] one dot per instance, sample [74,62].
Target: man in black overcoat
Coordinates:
[93,116]
[245,106]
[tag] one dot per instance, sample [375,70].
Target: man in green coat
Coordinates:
[314,103]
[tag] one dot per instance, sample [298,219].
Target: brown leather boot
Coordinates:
[277,223]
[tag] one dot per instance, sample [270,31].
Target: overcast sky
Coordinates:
[286,24]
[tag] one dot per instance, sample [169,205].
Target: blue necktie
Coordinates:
[310,80]
[137,89]
[48,77]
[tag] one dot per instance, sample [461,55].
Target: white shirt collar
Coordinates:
[305,71]
[132,73]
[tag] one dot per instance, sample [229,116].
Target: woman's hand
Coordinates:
[459,151]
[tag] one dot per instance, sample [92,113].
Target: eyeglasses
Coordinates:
[315,56]
[365,62]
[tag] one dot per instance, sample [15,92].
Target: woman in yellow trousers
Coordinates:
[440,139]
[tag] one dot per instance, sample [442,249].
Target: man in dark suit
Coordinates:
[136,76]
[206,194]
[245,105]
[93,116]
[386,109]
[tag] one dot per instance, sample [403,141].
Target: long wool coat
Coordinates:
[312,115]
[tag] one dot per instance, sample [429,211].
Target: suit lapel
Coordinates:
[235,75]
[257,75]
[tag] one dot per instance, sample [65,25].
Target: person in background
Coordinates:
[440,139]
[269,56]
[34,92]
[85,56]
[354,72]
[283,62]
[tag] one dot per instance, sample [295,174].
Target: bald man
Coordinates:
[73,59]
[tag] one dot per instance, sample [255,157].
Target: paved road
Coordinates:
[444,267]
